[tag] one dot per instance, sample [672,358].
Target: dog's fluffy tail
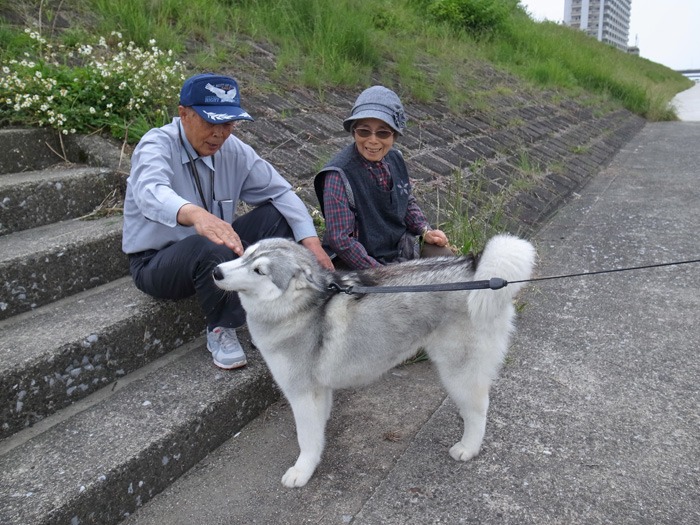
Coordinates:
[509,258]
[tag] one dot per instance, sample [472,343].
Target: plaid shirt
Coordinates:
[341,227]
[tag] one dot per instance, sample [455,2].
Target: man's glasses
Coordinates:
[381,134]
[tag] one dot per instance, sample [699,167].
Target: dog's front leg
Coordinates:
[311,411]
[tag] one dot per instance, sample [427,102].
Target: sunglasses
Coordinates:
[381,134]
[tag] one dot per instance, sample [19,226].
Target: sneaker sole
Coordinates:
[238,364]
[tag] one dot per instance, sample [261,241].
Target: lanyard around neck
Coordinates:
[195,173]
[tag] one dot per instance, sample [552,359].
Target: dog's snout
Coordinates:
[217,274]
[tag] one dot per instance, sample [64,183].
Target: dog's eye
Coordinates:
[258,270]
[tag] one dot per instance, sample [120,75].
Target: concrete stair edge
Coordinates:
[62,352]
[101,464]
[37,198]
[54,261]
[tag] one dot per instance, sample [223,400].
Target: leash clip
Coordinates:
[496,283]
[335,287]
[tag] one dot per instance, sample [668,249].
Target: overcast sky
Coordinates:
[667,32]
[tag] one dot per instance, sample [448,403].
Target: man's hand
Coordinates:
[314,245]
[210,226]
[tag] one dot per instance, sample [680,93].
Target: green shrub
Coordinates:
[111,86]
[478,17]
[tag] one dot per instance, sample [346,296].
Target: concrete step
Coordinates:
[51,262]
[106,395]
[36,198]
[99,461]
[29,149]
[62,352]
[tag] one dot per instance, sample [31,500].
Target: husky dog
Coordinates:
[315,339]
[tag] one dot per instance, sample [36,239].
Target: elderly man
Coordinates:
[180,208]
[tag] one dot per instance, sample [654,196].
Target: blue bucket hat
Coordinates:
[380,103]
[215,98]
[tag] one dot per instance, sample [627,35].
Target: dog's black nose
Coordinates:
[217,274]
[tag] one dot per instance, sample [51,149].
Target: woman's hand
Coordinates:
[436,237]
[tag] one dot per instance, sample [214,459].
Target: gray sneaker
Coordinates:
[225,348]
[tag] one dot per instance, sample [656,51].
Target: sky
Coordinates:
[667,32]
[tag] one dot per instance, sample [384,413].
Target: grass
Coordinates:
[329,43]
[426,50]
[553,55]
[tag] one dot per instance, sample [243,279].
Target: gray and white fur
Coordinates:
[315,340]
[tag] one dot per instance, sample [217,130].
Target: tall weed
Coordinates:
[325,44]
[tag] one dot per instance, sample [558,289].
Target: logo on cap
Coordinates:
[226,93]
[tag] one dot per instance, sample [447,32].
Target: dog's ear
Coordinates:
[313,276]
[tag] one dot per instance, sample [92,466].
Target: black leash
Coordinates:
[608,271]
[495,283]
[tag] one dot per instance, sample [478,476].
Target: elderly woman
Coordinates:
[372,218]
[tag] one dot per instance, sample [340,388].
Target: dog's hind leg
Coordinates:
[470,392]
[473,410]
[311,412]
[467,380]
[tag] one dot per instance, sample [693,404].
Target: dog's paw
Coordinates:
[295,477]
[463,453]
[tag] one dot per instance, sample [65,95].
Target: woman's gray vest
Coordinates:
[379,214]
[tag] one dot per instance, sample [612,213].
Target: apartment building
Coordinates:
[606,20]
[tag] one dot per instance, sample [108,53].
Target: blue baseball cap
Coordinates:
[215,98]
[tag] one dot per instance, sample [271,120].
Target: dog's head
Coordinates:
[270,269]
